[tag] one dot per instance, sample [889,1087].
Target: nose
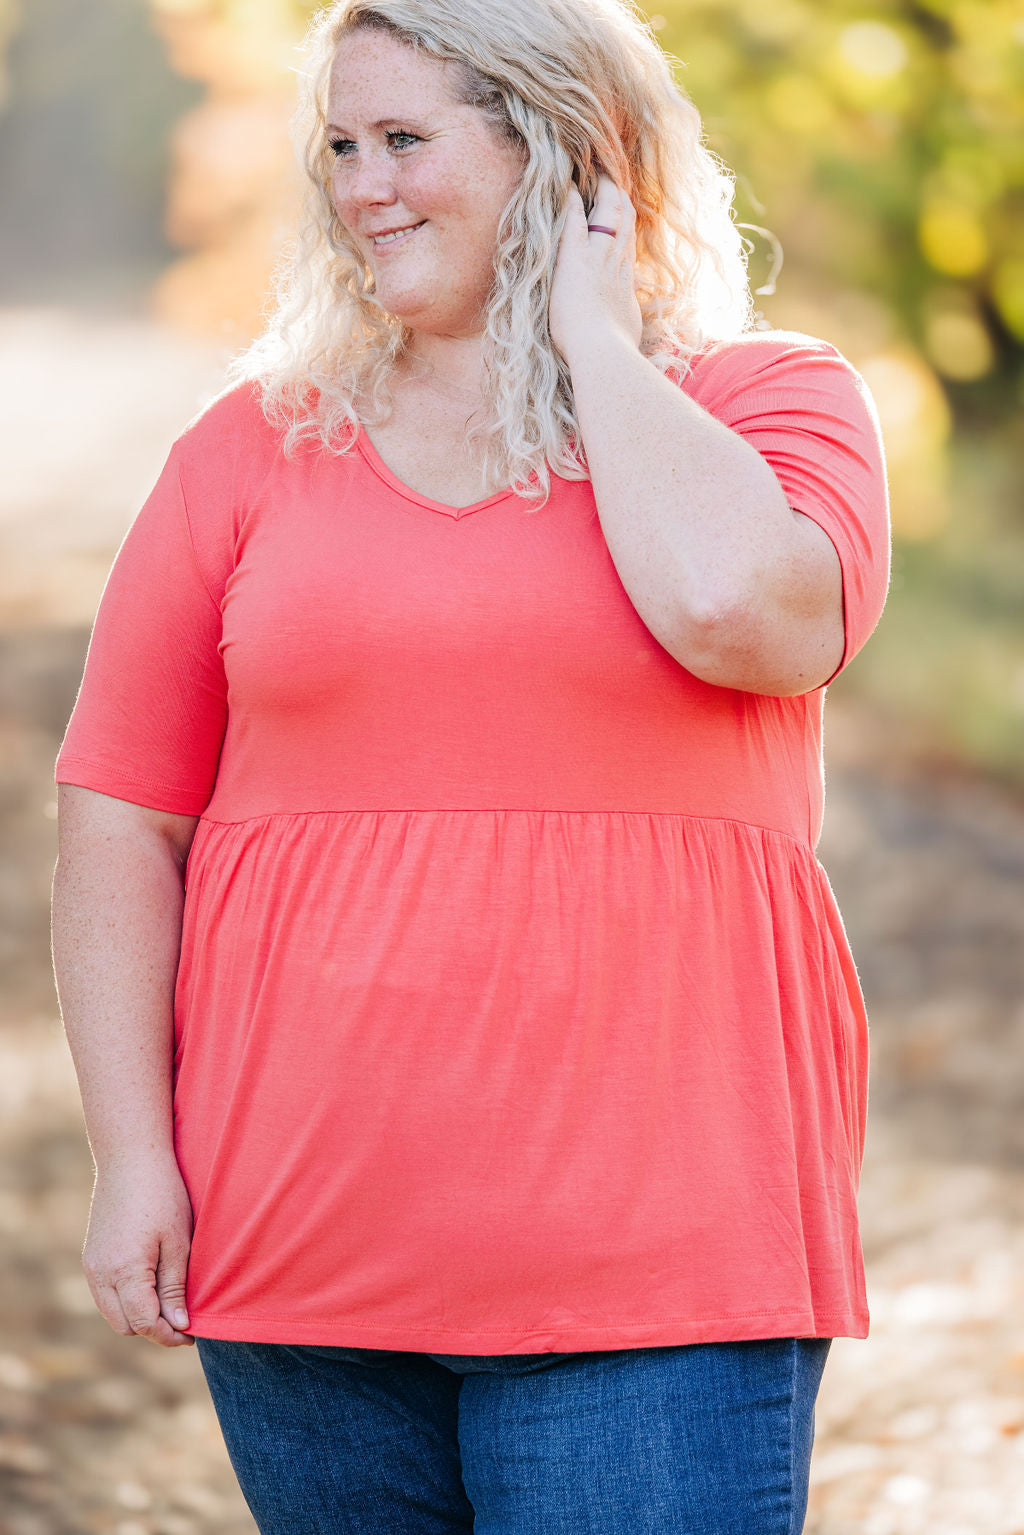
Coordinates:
[368,183]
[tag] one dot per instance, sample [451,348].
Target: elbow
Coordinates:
[735,644]
[777,630]
[716,636]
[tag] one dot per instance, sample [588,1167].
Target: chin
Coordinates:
[412,308]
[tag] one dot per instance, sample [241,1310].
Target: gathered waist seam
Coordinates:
[670,815]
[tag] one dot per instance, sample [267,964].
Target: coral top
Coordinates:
[514,1012]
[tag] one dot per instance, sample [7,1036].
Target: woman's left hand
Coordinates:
[594,277]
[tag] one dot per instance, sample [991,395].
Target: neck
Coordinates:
[452,363]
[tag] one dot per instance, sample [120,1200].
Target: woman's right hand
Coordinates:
[136,1250]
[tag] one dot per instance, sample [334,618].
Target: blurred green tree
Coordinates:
[885,143]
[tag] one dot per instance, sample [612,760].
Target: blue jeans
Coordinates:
[694,1439]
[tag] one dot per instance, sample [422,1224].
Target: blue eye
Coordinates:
[343,147]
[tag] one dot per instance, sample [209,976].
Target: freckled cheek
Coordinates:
[426,193]
[342,206]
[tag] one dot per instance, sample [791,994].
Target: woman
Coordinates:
[442,793]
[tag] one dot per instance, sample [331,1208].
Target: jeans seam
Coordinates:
[795,1344]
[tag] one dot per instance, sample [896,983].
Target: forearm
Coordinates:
[724,574]
[117,910]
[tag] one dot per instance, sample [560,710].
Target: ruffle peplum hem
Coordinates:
[513,1066]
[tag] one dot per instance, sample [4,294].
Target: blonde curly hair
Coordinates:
[584,87]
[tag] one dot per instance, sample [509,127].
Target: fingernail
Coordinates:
[181,1318]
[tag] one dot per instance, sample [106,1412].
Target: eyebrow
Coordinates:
[384,122]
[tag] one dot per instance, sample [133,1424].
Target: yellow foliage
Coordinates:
[958,343]
[874,49]
[799,105]
[915,419]
[952,238]
[780,22]
[1008,293]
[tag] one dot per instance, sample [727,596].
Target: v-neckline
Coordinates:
[391,479]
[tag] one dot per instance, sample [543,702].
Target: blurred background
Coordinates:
[146,184]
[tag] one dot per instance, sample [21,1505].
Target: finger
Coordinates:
[607,187]
[625,220]
[170,1283]
[606,203]
[575,205]
[575,227]
[108,1304]
[160,1332]
[142,1309]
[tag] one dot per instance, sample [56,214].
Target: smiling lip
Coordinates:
[379,239]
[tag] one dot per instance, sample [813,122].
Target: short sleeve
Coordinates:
[808,411]
[149,719]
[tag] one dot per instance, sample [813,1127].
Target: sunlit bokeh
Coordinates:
[1008,293]
[874,49]
[234,190]
[916,417]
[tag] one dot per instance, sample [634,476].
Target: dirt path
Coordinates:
[920,1427]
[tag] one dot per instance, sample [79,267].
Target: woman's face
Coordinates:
[408,156]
